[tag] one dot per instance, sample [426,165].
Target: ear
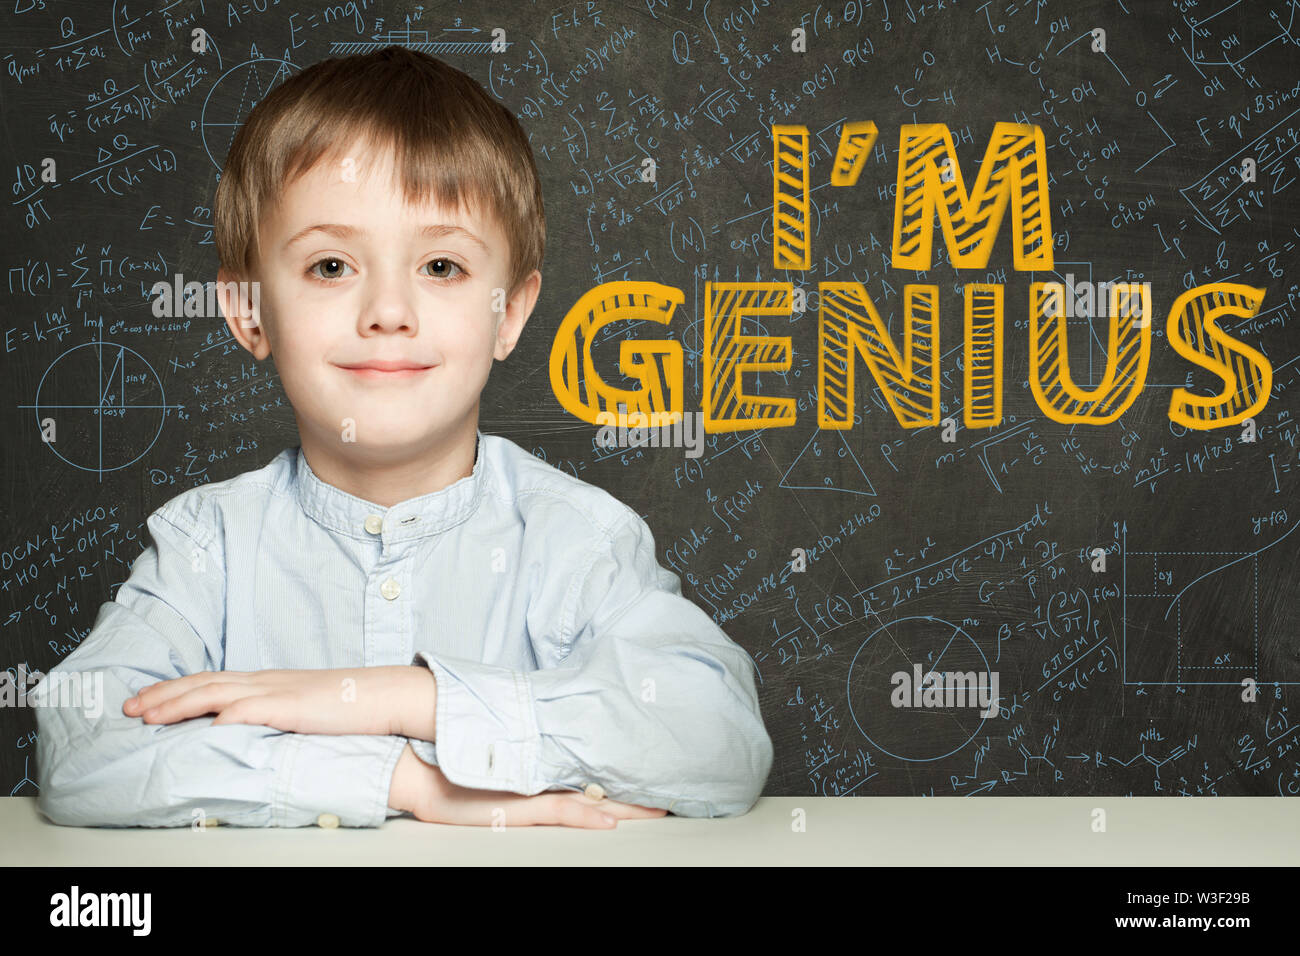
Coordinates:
[241,305]
[510,325]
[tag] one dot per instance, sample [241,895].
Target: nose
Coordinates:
[389,307]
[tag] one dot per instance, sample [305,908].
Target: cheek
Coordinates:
[471,339]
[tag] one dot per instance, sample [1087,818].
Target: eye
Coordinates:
[447,264]
[329,261]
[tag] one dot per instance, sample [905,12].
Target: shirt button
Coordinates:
[390,588]
[374,524]
[595,791]
[327,820]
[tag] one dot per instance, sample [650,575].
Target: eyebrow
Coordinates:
[342,231]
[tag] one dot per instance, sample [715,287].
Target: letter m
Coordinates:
[930,181]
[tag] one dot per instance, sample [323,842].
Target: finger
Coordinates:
[515,810]
[206,699]
[146,697]
[627,811]
[632,811]
[616,808]
[571,813]
[156,694]
[246,710]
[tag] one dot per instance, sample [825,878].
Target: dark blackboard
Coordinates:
[837,557]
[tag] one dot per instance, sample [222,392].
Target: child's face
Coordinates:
[330,301]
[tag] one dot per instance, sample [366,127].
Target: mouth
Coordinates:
[387,371]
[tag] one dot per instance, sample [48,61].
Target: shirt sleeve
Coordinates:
[651,700]
[99,767]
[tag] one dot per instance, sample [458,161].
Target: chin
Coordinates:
[393,438]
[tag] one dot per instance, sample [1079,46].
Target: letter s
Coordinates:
[1198,338]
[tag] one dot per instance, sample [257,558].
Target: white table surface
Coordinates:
[980,831]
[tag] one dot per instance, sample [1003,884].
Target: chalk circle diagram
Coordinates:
[914,734]
[233,97]
[113,426]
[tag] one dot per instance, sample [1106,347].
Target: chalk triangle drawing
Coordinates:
[808,470]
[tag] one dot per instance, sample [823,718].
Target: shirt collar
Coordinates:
[418,517]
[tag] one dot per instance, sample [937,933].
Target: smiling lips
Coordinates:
[386,369]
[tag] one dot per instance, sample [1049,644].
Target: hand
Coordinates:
[425,792]
[360,700]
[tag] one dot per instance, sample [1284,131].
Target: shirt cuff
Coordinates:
[348,775]
[426,750]
[486,725]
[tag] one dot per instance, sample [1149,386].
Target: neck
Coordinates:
[388,476]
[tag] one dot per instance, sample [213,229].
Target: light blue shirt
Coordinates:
[564,653]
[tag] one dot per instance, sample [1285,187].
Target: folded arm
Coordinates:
[100,767]
[650,700]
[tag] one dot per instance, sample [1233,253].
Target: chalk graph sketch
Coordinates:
[1194,617]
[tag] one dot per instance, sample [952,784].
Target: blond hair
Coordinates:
[450,140]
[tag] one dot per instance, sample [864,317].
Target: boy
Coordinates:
[402,614]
